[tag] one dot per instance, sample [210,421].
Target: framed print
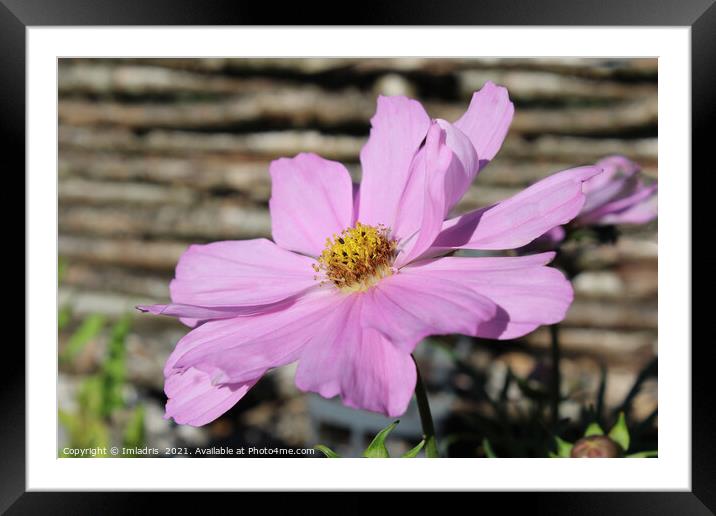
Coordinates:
[423,237]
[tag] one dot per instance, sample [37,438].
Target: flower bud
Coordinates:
[596,447]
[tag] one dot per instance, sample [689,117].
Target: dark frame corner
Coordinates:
[17,15]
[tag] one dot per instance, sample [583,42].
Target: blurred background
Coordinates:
[156,154]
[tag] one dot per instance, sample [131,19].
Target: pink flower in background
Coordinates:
[619,195]
[356,277]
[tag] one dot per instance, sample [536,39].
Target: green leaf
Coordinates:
[61,269]
[593,429]
[563,447]
[64,316]
[325,450]
[488,449]
[114,370]
[414,452]
[69,421]
[88,330]
[376,449]
[90,397]
[134,432]
[644,454]
[620,433]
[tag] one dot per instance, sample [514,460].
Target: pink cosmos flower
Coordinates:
[356,275]
[619,195]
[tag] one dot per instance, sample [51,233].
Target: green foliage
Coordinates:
[134,432]
[325,450]
[113,371]
[643,455]
[100,396]
[593,429]
[620,433]
[563,447]
[84,431]
[377,448]
[61,270]
[489,452]
[520,426]
[64,316]
[88,330]
[413,452]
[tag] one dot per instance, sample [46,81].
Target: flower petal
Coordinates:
[407,308]
[377,376]
[203,313]
[311,199]
[463,169]
[520,219]
[640,213]
[242,349]
[547,242]
[527,293]
[639,207]
[614,167]
[360,364]
[240,273]
[213,366]
[423,206]
[232,278]
[194,400]
[397,130]
[486,121]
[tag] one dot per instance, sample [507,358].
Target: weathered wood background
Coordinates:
[156,154]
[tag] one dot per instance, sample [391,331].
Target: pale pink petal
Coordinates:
[213,366]
[637,208]
[641,213]
[440,174]
[240,273]
[614,167]
[204,313]
[377,376]
[356,202]
[194,400]
[319,366]
[311,199]
[487,119]
[397,130]
[520,219]
[618,179]
[547,242]
[360,364]
[233,278]
[242,349]
[526,292]
[424,206]
[463,169]
[406,307]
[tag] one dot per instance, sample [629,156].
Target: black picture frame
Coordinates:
[17,15]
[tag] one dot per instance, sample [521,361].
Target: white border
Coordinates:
[670,471]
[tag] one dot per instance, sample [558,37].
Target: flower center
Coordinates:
[357,258]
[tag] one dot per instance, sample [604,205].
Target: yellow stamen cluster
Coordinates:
[357,258]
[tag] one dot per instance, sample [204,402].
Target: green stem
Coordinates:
[426,419]
[556,376]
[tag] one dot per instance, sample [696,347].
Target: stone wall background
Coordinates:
[155,154]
